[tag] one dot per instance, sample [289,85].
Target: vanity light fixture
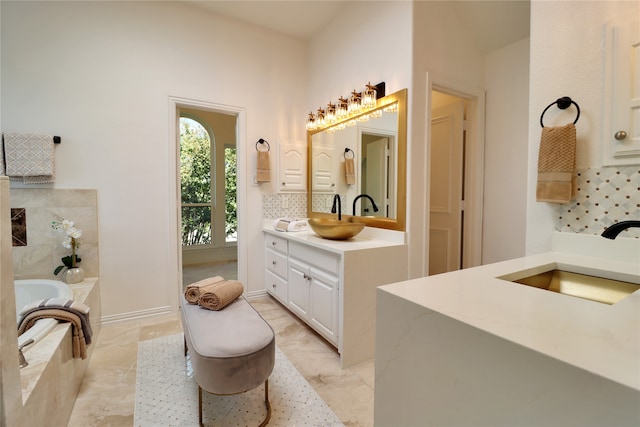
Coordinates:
[357,108]
[311,122]
[369,96]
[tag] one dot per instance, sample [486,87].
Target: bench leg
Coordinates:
[266,402]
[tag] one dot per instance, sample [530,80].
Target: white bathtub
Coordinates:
[31,290]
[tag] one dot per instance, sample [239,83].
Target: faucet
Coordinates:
[373,204]
[333,207]
[613,230]
[23,361]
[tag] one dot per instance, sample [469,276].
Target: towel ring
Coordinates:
[262,141]
[353,155]
[562,103]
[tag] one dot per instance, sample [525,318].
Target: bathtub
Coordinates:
[31,290]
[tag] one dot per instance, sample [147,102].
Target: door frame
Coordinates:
[474,165]
[175,217]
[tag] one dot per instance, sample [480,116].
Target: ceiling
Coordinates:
[494,23]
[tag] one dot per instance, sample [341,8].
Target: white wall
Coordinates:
[100,74]
[566,60]
[506,147]
[445,49]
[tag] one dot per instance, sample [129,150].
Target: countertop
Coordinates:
[369,238]
[600,338]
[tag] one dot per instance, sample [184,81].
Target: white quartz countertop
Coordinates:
[368,239]
[600,338]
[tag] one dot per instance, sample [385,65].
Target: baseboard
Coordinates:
[134,315]
[255,294]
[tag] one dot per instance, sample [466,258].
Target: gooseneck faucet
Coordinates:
[373,204]
[333,207]
[612,231]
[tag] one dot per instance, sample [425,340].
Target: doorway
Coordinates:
[447,178]
[208,198]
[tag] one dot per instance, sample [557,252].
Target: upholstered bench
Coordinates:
[232,350]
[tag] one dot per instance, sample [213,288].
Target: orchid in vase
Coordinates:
[70,241]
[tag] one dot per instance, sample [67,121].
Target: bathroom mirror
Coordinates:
[375,142]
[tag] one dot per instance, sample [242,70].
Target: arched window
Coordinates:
[195,183]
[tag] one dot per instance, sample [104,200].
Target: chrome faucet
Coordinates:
[23,361]
[613,230]
[333,207]
[373,204]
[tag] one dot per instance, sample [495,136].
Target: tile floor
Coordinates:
[107,394]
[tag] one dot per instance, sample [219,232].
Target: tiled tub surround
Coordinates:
[52,379]
[43,251]
[603,197]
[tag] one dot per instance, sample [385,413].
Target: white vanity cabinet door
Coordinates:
[298,288]
[323,307]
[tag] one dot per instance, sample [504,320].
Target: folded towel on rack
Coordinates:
[219,295]
[290,224]
[263,173]
[556,164]
[29,157]
[350,171]
[193,291]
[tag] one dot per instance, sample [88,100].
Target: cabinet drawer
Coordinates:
[325,260]
[276,243]
[276,263]
[276,286]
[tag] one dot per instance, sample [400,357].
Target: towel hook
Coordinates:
[262,141]
[346,151]
[562,103]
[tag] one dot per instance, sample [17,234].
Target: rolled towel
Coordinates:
[219,295]
[193,291]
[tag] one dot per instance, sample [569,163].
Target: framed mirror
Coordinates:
[363,159]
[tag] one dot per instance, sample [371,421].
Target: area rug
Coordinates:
[167,394]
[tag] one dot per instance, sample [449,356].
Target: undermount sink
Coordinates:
[594,288]
[331,228]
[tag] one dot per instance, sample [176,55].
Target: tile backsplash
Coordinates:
[603,197]
[282,205]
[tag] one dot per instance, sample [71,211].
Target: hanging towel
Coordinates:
[556,164]
[264,170]
[29,157]
[193,291]
[350,171]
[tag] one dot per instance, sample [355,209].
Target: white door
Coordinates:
[323,307]
[298,283]
[445,243]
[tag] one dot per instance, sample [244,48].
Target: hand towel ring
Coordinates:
[262,141]
[562,103]
[346,150]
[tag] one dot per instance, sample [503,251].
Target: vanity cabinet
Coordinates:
[275,274]
[330,285]
[313,288]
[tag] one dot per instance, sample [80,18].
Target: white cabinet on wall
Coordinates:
[331,285]
[622,92]
[292,166]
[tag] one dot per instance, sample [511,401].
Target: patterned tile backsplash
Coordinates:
[603,197]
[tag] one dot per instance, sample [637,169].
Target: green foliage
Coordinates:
[195,182]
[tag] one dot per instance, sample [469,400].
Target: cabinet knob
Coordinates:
[284,184]
[273,286]
[273,262]
[273,243]
[620,135]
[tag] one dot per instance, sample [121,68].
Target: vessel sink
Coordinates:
[599,289]
[331,228]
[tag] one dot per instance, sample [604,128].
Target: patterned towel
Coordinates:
[68,305]
[556,164]
[29,157]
